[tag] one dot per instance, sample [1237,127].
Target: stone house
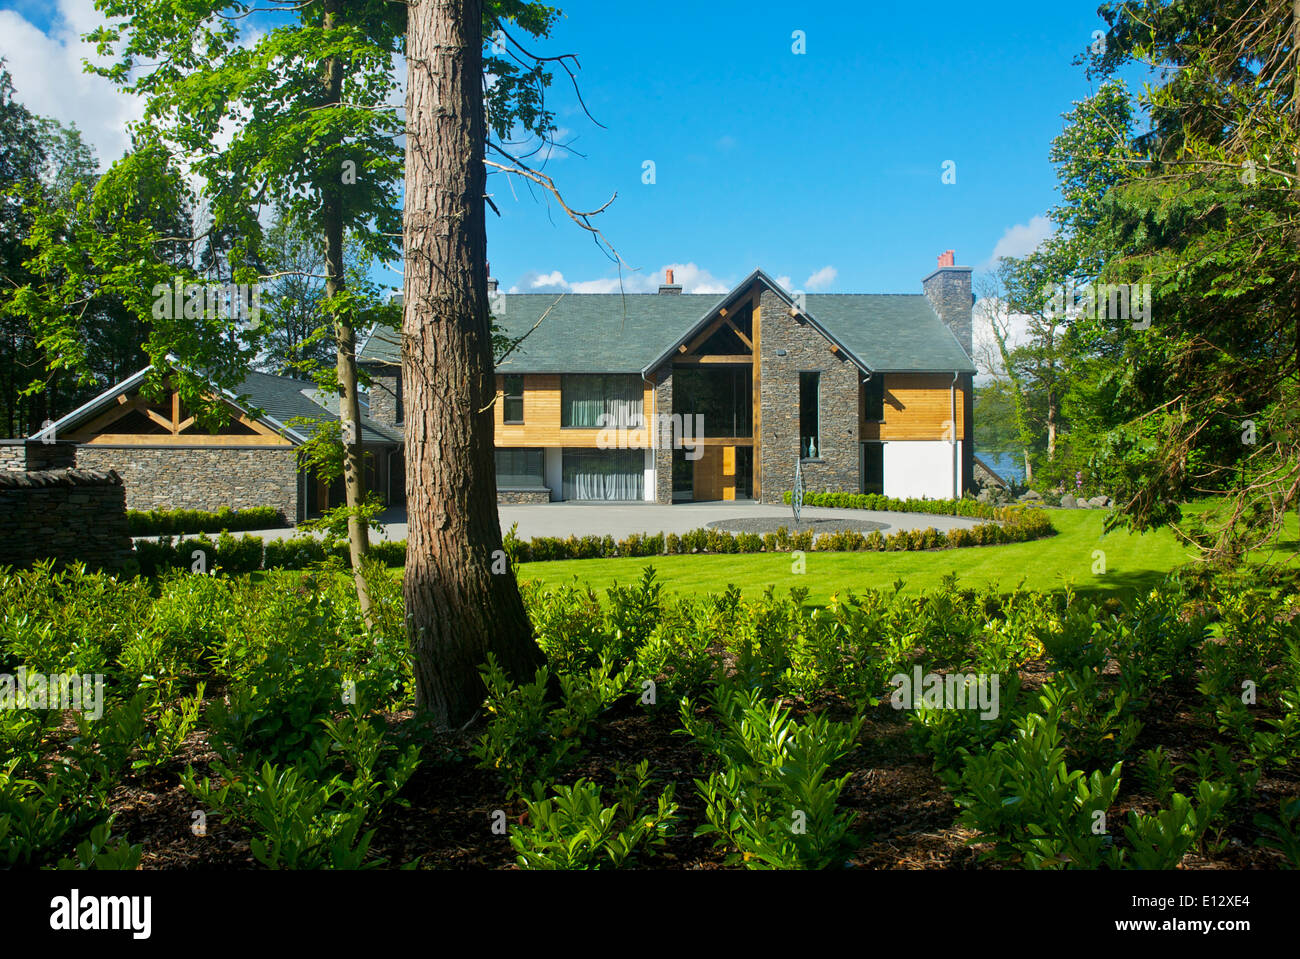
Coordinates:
[674,397]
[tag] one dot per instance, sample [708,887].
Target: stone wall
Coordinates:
[23,454]
[384,396]
[949,292]
[207,478]
[520,496]
[837,468]
[663,380]
[67,515]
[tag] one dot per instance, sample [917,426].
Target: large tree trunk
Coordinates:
[457,610]
[346,340]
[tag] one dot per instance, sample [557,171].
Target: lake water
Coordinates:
[1009,465]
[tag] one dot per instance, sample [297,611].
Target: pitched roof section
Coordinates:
[583,333]
[612,333]
[284,398]
[891,332]
[279,397]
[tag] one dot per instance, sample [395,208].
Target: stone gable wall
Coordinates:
[806,350]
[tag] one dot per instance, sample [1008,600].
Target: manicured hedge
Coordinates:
[971,508]
[247,554]
[1017,525]
[174,522]
[1012,524]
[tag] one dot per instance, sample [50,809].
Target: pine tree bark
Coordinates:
[346,344]
[457,609]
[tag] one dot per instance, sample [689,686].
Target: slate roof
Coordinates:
[611,333]
[284,398]
[897,332]
[583,333]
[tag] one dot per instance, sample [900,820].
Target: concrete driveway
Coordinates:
[620,520]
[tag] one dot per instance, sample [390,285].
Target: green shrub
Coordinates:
[1021,795]
[528,740]
[771,803]
[171,522]
[300,818]
[575,830]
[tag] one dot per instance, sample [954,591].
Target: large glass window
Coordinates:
[873,399]
[724,397]
[585,399]
[514,400]
[604,474]
[518,469]
[810,443]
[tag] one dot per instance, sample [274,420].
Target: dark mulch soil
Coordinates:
[903,818]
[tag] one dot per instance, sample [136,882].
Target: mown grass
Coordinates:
[1133,563]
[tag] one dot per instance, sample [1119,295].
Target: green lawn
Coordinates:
[1132,563]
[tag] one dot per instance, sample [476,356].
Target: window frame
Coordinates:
[508,397]
[817,435]
[879,380]
[632,380]
[536,451]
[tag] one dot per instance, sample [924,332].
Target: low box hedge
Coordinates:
[177,522]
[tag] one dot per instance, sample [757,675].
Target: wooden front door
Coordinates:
[715,474]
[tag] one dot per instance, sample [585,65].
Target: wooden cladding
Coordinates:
[543,415]
[918,406]
[715,474]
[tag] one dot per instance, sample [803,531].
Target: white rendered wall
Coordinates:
[650,477]
[921,468]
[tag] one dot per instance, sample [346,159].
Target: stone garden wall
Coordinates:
[67,515]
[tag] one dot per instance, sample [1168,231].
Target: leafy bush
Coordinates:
[1023,796]
[300,818]
[159,522]
[575,830]
[529,740]
[771,803]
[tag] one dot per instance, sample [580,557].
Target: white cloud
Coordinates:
[785,283]
[1021,240]
[691,278]
[50,80]
[988,358]
[822,279]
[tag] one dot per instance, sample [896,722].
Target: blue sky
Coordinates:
[823,167]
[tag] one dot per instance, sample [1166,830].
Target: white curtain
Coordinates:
[586,399]
[604,474]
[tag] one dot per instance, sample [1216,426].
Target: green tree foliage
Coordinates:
[1210,394]
[45,172]
[1191,186]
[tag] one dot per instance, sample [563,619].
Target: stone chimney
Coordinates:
[948,289]
[670,287]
